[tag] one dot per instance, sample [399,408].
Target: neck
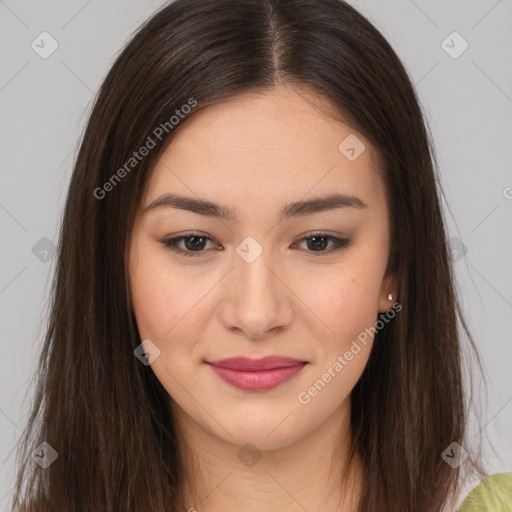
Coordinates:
[304,475]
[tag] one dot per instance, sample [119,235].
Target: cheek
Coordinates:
[154,297]
[347,305]
[345,301]
[165,301]
[167,310]
[153,301]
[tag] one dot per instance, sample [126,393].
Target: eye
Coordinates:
[195,243]
[317,242]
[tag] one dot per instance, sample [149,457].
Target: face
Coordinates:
[274,269]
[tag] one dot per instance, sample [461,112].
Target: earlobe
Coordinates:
[388,294]
[386,302]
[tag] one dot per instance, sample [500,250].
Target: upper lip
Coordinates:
[254,365]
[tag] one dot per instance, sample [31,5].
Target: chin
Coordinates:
[266,434]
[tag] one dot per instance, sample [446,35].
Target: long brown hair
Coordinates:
[103,412]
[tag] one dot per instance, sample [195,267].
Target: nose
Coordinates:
[257,300]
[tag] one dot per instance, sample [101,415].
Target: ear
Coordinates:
[388,286]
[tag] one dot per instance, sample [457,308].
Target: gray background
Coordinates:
[467,101]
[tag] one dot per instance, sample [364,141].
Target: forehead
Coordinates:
[281,141]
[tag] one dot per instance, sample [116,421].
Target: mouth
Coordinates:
[257,374]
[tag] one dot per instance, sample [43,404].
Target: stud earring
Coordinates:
[390,297]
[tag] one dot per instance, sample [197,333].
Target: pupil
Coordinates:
[317,238]
[197,238]
[318,242]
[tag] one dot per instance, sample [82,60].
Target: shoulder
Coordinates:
[493,494]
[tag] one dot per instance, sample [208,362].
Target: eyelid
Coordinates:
[170,243]
[338,243]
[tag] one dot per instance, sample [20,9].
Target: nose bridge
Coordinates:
[252,273]
[257,300]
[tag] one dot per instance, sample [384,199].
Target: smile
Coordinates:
[257,374]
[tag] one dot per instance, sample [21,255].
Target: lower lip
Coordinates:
[259,380]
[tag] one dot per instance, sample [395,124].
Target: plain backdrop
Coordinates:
[466,94]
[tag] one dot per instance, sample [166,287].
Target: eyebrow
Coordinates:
[293,209]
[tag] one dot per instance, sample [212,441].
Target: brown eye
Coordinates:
[194,244]
[319,242]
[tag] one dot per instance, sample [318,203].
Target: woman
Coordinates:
[254,304]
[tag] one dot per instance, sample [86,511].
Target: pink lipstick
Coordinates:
[257,374]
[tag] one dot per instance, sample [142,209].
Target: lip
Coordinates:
[257,374]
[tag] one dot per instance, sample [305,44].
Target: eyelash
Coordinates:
[170,243]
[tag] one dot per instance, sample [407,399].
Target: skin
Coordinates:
[254,153]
